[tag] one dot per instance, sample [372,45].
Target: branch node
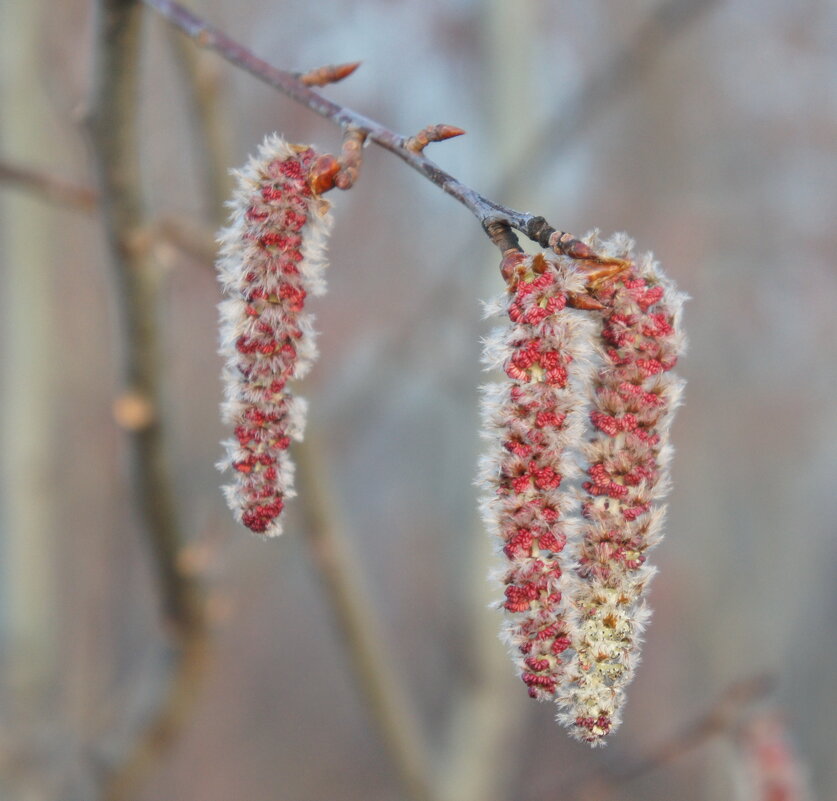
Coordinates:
[432,133]
[501,234]
[330,73]
[351,158]
[134,411]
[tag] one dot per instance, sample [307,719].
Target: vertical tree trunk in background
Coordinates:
[489,714]
[26,501]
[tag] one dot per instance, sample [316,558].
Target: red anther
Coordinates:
[294,220]
[552,542]
[634,512]
[272,239]
[649,366]
[292,168]
[557,376]
[551,419]
[272,194]
[519,545]
[657,325]
[650,297]
[245,345]
[546,478]
[254,215]
[517,448]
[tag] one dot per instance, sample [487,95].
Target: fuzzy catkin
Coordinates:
[633,396]
[531,419]
[271,259]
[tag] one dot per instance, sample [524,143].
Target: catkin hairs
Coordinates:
[595,388]
[532,419]
[271,260]
[633,395]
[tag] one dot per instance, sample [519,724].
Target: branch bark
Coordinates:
[48,187]
[497,220]
[113,135]
[371,662]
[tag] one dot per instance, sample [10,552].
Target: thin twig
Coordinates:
[342,579]
[496,220]
[193,239]
[553,136]
[207,131]
[48,187]
[113,135]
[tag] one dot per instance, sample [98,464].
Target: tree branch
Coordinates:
[48,187]
[372,665]
[495,219]
[113,136]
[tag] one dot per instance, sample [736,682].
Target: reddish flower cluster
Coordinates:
[271,260]
[634,395]
[532,419]
[575,637]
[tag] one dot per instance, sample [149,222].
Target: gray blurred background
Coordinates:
[713,145]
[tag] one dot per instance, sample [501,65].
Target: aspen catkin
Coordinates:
[633,395]
[271,260]
[531,419]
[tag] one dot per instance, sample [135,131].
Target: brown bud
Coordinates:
[562,242]
[539,264]
[331,73]
[432,133]
[584,302]
[508,266]
[322,173]
[597,273]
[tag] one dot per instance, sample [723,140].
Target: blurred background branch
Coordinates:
[112,126]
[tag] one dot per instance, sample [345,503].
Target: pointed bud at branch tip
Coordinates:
[331,73]
[432,133]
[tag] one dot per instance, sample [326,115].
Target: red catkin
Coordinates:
[531,419]
[271,260]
